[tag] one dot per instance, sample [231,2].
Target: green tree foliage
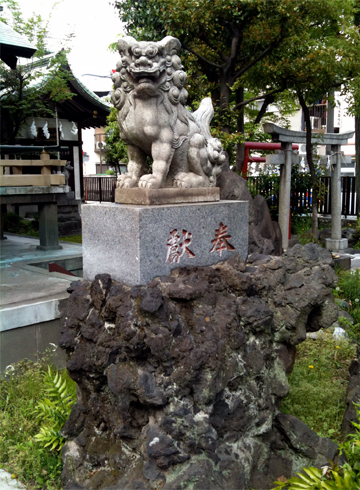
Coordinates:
[243,50]
[116,148]
[311,66]
[31,89]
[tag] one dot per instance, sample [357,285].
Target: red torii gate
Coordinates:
[252,145]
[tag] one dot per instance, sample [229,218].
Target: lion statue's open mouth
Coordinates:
[150,96]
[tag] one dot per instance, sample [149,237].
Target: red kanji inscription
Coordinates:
[220,241]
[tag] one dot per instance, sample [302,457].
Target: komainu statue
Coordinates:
[149,95]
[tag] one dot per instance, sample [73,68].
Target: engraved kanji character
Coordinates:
[177,248]
[220,241]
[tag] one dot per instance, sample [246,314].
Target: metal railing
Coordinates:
[301,196]
[102,189]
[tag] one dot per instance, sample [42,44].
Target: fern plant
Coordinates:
[314,479]
[346,477]
[53,411]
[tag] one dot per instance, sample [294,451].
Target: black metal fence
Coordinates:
[103,189]
[301,194]
[100,188]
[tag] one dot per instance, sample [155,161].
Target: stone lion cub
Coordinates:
[149,95]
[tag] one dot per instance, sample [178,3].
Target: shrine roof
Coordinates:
[13,45]
[85,107]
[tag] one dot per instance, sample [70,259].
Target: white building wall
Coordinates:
[92,159]
[345,122]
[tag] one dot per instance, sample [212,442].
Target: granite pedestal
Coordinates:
[135,243]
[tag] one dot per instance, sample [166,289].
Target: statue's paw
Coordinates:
[126,181]
[149,182]
[182,181]
[189,180]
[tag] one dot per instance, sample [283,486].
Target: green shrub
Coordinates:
[300,224]
[16,224]
[357,233]
[307,237]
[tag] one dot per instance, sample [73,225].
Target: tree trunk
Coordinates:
[224,104]
[269,99]
[309,156]
[240,128]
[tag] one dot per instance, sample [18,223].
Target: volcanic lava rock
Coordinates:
[180,381]
[264,234]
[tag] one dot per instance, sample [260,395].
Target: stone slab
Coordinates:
[34,190]
[7,483]
[336,245]
[137,243]
[343,262]
[279,158]
[51,247]
[169,195]
[23,315]
[284,135]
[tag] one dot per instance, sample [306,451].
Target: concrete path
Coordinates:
[23,284]
[18,248]
[30,295]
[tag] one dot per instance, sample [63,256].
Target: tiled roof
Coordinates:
[88,94]
[9,37]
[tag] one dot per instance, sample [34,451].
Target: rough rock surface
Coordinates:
[264,234]
[352,396]
[180,381]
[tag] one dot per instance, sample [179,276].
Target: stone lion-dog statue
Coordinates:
[149,95]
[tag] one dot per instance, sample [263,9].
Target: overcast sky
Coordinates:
[95,24]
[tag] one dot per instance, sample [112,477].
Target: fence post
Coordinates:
[113,187]
[100,190]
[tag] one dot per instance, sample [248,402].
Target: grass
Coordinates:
[21,390]
[318,384]
[72,239]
